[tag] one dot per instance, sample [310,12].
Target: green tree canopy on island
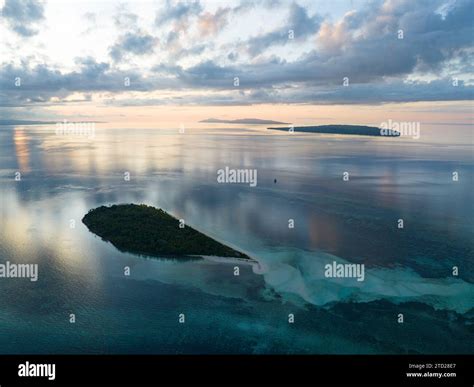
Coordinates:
[143,229]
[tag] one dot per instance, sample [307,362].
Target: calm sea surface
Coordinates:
[408,271]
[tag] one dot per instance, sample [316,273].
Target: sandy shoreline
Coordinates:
[245,261]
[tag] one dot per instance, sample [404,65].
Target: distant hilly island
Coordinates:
[358,130]
[25,122]
[248,121]
[10,122]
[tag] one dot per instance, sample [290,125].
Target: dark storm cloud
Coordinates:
[21,15]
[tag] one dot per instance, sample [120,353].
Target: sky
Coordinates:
[356,61]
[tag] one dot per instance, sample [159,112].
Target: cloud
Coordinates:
[211,24]
[125,19]
[389,92]
[178,14]
[40,84]
[91,21]
[383,92]
[22,15]
[299,23]
[178,11]
[364,48]
[206,75]
[175,51]
[362,45]
[136,43]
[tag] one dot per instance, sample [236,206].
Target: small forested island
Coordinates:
[146,230]
[358,130]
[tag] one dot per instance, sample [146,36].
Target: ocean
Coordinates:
[318,200]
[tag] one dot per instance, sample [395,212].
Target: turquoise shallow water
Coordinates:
[408,271]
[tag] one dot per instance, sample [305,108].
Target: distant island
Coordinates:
[248,121]
[150,231]
[25,122]
[12,122]
[358,130]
